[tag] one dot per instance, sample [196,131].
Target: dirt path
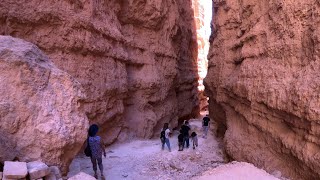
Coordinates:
[144,159]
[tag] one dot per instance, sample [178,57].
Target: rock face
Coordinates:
[40,112]
[135,59]
[202,16]
[263,82]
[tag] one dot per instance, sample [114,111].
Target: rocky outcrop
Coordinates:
[135,59]
[40,111]
[263,83]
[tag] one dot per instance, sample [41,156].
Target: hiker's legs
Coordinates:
[162,141]
[180,146]
[94,165]
[187,141]
[205,131]
[168,143]
[100,165]
[196,141]
[193,143]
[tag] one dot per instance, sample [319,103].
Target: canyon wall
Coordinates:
[263,82]
[202,16]
[136,60]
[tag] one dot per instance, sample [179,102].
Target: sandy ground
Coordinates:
[144,160]
[236,171]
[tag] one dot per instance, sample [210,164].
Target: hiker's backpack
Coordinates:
[162,134]
[87,150]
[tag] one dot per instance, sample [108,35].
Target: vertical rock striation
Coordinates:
[135,59]
[263,83]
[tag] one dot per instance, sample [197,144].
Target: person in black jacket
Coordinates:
[185,132]
[205,125]
[180,141]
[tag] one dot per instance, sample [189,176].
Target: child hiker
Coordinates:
[96,148]
[194,139]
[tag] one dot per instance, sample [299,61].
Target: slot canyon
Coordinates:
[130,66]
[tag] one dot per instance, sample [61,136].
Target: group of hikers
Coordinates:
[184,134]
[95,148]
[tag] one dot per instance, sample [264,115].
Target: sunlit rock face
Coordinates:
[202,16]
[41,117]
[263,83]
[136,60]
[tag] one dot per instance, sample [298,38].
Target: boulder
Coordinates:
[14,170]
[50,176]
[82,176]
[40,107]
[54,173]
[37,169]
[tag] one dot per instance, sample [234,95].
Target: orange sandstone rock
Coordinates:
[41,117]
[136,60]
[263,83]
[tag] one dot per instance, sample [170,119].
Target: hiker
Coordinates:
[180,141]
[164,136]
[194,139]
[205,125]
[96,148]
[185,131]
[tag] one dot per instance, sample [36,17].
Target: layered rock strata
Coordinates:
[135,59]
[41,117]
[263,83]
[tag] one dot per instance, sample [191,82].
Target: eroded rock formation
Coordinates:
[263,82]
[202,16]
[40,112]
[135,59]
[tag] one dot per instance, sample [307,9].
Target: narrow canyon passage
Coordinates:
[130,66]
[144,159]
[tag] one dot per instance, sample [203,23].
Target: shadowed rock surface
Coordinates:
[136,60]
[40,113]
[263,83]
